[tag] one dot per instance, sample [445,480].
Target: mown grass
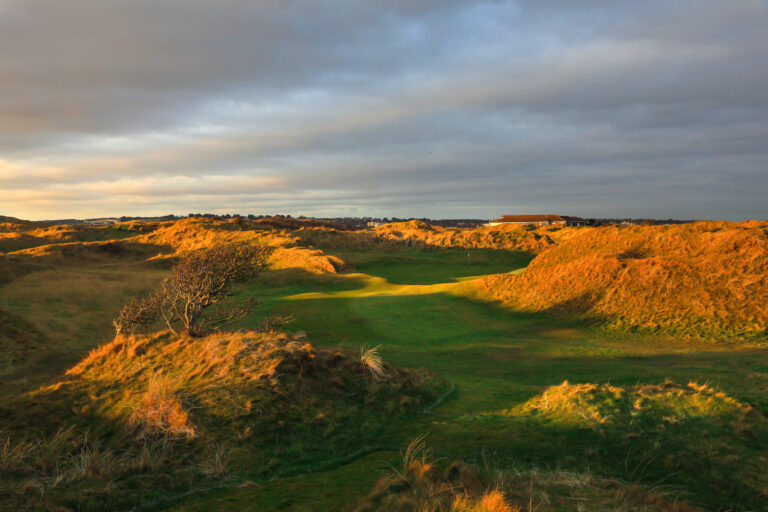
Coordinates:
[413,266]
[499,358]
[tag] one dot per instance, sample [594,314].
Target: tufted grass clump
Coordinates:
[372,362]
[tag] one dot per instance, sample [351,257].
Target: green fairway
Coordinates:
[416,307]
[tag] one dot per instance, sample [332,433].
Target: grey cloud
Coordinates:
[393,108]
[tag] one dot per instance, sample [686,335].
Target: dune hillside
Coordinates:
[702,278]
[264,400]
[28,247]
[418,234]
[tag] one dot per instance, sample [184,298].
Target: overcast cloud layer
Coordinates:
[390,107]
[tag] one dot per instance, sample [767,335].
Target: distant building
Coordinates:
[101,222]
[376,223]
[539,220]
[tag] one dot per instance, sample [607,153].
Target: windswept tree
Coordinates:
[204,279]
[137,313]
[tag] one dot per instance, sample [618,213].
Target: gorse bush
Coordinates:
[135,314]
[204,279]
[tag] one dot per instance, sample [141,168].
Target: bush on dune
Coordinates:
[705,278]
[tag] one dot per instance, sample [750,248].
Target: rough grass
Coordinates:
[252,403]
[160,412]
[30,248]
[417,234]
[701,279]
[693,436]
[595,404]
[426,484]
[197,233]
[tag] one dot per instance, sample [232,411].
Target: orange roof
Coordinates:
[537,218]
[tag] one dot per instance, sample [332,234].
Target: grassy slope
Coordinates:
[705,279]
[72,307]
[497,359]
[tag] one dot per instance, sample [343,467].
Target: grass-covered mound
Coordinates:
[427,485]
[13,224]
[692,437]
[701,279]
[28,234]
[30,247]
[248,405]
[191,234]
[418,234]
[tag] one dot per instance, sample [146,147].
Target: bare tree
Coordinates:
[137,313]
[204,279]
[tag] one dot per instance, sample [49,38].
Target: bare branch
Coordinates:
[205,278]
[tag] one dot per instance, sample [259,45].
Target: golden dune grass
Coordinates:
[508,237]
[603,404]
[34,247]
[704,278]
[235,384]
[198,233]
[160,412]
[418,234]
[425,485]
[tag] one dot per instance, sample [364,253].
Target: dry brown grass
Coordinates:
[704,278]
[160,412]
[424,485]
[372,362]
[508,237]
[31,248]
[222,386]
[192,234]
[416,233]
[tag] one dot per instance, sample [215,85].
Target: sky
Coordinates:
[406,108]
